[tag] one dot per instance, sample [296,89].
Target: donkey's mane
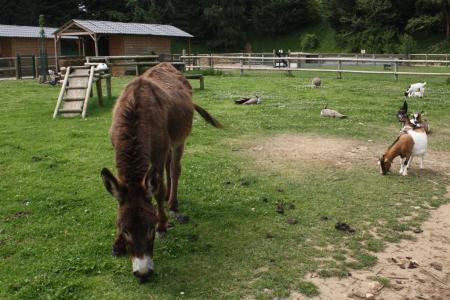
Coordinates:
[132,164]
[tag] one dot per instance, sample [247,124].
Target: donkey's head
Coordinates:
[385,165]
[136,220]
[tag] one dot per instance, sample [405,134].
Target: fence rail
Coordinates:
[302,62]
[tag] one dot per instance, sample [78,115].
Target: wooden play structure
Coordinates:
[77,89]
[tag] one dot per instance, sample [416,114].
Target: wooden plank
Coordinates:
[79,78]
[88,91]
[61,93]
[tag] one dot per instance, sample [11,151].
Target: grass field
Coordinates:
[57,220]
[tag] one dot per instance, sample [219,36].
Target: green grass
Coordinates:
[57,220]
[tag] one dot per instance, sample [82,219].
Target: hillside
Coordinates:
[425,43]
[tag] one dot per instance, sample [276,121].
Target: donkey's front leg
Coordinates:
[119,247]
[162,225]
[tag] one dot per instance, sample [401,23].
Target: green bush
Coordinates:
[407,44]
[309,41]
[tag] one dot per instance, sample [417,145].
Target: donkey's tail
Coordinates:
[208,118]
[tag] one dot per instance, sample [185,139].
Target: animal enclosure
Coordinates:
[263,195]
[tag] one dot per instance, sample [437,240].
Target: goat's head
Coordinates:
[385,165]
[137,218]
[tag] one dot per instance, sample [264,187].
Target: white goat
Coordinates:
[416,90]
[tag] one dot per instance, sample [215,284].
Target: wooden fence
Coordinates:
[310,63]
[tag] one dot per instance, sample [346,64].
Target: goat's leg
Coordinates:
[401,166]
[405,165]
[410,161]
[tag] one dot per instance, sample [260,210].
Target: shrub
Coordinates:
[407,44]
[309,41]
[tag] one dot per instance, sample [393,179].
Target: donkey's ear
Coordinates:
[111,183]
[151,182]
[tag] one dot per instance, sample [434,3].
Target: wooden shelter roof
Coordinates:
[92,27]
[25,31]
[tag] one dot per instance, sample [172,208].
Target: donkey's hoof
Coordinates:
[118,250]
[182,219]
[161,234]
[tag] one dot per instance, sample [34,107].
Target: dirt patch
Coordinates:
[284,150]
[18,215]
[410,270]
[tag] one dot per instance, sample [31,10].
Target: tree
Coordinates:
[431,14]
[283,16]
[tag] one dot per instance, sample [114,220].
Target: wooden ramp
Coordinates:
[75,92]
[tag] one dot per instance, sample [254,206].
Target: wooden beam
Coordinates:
[56,54]
[75,33]
[96,44]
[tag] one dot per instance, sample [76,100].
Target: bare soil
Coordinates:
[285,150]
[417,269]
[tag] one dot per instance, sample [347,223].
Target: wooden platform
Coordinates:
[76,90]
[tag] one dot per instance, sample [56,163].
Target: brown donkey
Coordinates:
[151,121]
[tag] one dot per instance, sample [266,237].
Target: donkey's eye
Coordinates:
[126,235]
[151,233]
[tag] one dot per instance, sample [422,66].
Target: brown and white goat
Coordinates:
[411,142]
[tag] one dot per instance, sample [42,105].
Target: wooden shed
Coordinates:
[105,38]
[24,40]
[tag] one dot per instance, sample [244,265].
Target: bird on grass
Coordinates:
[248,100]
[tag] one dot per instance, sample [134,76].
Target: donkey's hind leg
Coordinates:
[162,225]
[175,172]
[168,180]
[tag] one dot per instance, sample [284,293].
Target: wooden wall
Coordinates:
[137,45]
[10,47]
[5,47]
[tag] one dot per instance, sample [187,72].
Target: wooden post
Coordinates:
[56,53]
[446,58]
[210,61]
[289,62]
[33,66]
[340,68]
[18,67]
[426,58]
[108,86]
[96,44]
[356,56]
[98,84]
[242,65]
[84,48]
[273,55]
[396,69]
[202,83]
